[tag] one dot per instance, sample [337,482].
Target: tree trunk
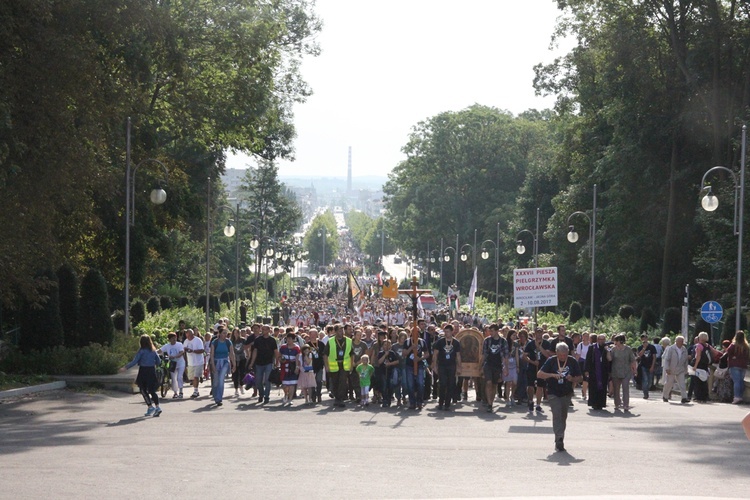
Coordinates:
[669,236]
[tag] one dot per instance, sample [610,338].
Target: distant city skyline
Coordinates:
[369,90]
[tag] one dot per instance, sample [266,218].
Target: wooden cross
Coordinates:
[414,293]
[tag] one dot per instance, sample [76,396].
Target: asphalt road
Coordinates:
[67,444]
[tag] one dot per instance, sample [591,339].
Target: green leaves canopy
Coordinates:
[196,76]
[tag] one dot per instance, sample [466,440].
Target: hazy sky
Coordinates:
[384,66]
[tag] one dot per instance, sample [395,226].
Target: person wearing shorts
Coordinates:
[194,349]
[535,353]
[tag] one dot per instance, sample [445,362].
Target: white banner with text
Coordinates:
[534,287]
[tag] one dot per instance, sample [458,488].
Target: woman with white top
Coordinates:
[582,350]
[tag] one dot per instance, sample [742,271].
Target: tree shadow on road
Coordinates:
[23,429]
[722,447]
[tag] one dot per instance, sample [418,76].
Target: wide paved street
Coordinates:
[72,444]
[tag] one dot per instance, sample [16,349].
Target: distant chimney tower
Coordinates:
[349,173]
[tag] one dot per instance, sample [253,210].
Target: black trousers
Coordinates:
[339,384]
[447,393]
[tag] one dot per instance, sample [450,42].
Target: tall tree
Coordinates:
[271,215]
[197,77]
[652,92]
[463,172]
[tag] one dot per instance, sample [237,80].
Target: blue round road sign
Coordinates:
[711,311]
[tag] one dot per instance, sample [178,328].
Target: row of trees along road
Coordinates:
[197,78]
[653,95]
[322,238]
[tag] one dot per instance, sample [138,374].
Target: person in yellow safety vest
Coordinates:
[338,362]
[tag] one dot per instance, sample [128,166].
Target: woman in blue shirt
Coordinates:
[147,360]
[222,360]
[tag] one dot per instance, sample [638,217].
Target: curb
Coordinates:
[21,391]
[119,382]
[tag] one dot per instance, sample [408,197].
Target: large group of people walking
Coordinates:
[359,358]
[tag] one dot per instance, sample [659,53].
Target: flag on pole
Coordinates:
[380,278]
[354,293]
[473,290]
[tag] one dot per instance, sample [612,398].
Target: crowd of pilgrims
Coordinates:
[378,366]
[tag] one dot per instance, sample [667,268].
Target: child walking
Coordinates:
[147,360]
[365,371]
[307,381]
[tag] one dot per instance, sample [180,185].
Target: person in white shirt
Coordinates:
[175,351]
[194,349]
[582,349]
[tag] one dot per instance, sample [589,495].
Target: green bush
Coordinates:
[648,319]
[172,292]
[93,359]
[118,320]
[69,304]
[672,323]
[165,302]
[616,324]
[575,312]
[626,311]
[729,322]
[160,324]
[137,313]
[41,326]
[94,320]
[153,305]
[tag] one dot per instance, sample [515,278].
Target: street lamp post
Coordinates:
[268,255]
[710,203]
[382,237]
[521,249]
[447,258]
[229,231]
[573,237]
[208,252]
[485,255]
[432,260]
[442,253]
[464,256]
[158,196]
[255,245]
[324,234]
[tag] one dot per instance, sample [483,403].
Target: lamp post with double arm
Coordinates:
[485,255]
[521,249]
[573,237]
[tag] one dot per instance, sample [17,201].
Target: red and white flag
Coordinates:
[380,278]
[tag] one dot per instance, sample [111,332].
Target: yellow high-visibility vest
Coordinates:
[333,364]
